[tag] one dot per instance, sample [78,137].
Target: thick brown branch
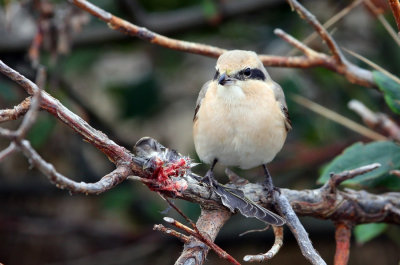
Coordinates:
[353,206]
[119,155]
[114,152]
[336,63]
[395,6]
[342,237]
[209,224]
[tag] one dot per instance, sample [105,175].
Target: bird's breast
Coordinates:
[239,127]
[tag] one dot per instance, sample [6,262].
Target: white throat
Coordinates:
[230,93]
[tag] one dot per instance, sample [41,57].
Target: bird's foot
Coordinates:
[209,178]
[270,190]
[268,185]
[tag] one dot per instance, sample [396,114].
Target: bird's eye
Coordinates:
[216,75]
[247,72]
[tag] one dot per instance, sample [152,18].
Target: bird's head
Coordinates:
[237,66]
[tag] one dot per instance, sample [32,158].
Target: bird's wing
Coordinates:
[235,199]
[280,97]
[200,98]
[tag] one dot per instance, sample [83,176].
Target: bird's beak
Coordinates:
[224,79]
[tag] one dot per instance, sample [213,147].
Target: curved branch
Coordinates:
[336,63]
[354,206]
[278,233]
[114,152]
[105,183]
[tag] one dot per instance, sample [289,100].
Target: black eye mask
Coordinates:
[248,73]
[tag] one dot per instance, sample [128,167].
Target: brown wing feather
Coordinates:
[288,122]
[202,94]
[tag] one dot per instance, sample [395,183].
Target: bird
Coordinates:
[241,117]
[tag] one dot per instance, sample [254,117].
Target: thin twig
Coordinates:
[338,118]
[145,34]
[373,65]
[298,44]
[395,172]
[376,121]
[330,22]
[41,76]
[16,112]
[219,251]
[336,63]
[278,232]
[105,183]
[379,14]
[322,32]
[114,152]
[181,213]
[7,151]
[169,231]
[31,115]
[255,230]
[337,179]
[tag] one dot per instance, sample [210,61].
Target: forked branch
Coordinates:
[336,62]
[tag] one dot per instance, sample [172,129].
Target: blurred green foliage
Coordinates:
[390,89]
[365,232]
[7,92]
[359,154]
[140,98]
[41,130]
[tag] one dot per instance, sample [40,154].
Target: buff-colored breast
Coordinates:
[239,125]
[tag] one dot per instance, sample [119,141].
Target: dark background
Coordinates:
[128,89]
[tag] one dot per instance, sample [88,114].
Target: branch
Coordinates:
[342,237]
[376,120]
[116,153]
[336,63]
[337,179]
[278,233]
[395,6]
[297,229]
[16,112]
[169,173]
[322,32]
[168,231]
[209,223]
[8,151]
[105,183]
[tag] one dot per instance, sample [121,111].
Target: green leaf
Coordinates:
[386,153]
[390,89]
[366,232]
